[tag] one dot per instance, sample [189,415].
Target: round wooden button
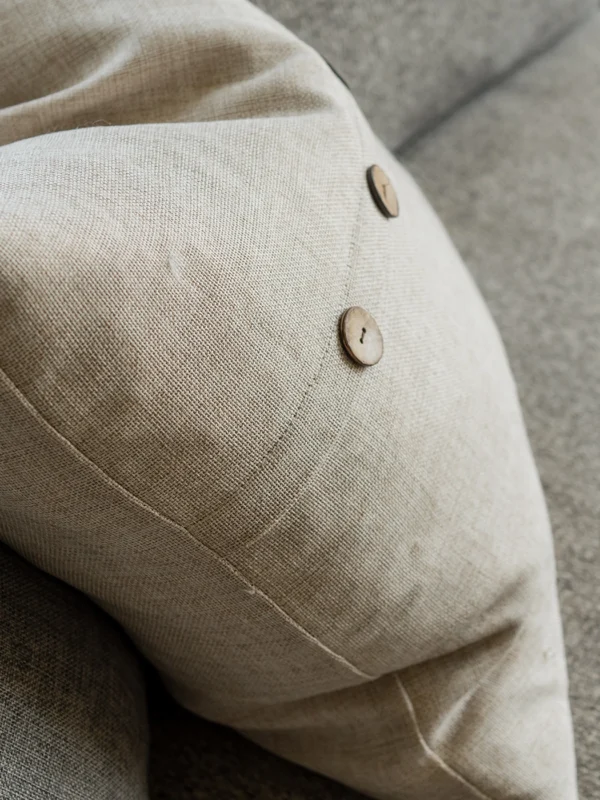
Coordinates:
[382,191]
[361,336]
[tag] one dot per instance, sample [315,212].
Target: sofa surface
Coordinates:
[72,706]
[411,63]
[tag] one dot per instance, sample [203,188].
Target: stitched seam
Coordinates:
[422,741]
[212,553]
[327,454]
[315,379]
[431,753]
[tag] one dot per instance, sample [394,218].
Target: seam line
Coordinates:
[315,379]
[431,754]
[422,741]
[140,503]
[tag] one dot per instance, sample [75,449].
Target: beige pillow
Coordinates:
[350,564]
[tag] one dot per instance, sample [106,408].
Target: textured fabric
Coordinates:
[517,179]
[353,567]
[72,706]
[409,62]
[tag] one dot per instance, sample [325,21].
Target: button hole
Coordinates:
[364,330]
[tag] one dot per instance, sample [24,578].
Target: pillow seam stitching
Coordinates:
[21,397]
[430,753]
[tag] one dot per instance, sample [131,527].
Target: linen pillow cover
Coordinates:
[351,565]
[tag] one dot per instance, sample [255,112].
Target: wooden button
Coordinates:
[382,191]
[361,336]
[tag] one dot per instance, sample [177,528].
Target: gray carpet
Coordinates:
[516,178]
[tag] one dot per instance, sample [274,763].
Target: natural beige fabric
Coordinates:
[353,566]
